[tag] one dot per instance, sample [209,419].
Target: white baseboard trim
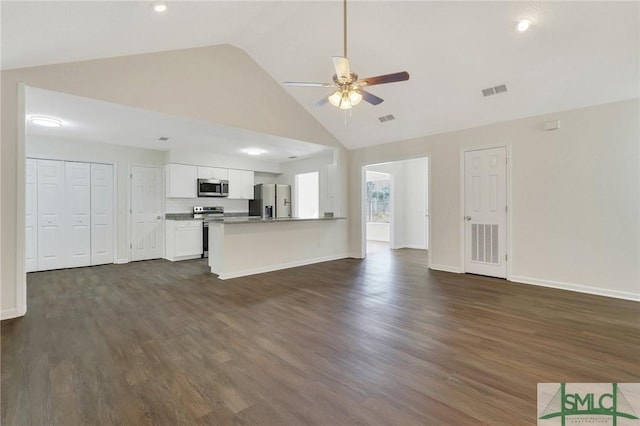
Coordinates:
[413,246]
[446,268]
[280,266]
[598,291]
[121,261]
[10,313]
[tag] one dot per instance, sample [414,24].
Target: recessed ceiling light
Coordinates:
[254,151]
[523,25]
[41,120]
[159,6]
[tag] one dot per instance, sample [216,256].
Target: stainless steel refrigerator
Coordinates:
[271,200]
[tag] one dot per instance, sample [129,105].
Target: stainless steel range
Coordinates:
[205,213]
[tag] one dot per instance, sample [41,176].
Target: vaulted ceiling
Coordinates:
[575,54]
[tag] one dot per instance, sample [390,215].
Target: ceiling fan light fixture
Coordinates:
[355,97]
[336,98]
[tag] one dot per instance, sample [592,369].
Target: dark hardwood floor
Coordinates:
[380,342]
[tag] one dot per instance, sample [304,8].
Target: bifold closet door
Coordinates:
[78,214]
[101,214]
[51,215]
[31,220]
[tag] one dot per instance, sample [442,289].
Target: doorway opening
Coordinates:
[378,211]
[395,206]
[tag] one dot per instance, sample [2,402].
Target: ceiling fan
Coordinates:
[348,86]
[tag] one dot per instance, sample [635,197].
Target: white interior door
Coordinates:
[485,206]
[31,220]
[147,231]
[78,214]
[51,215]
[101,214]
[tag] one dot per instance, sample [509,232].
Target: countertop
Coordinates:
[258,219]
[235,218]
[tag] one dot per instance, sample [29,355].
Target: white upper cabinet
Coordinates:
[182,181]
[212,173]
[241,184]
[247,184]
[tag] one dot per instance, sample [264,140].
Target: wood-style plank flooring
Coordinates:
[381,341]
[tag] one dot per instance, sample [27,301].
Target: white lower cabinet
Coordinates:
[183,239]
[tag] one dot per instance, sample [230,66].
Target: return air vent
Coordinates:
[386,118]
[495,90]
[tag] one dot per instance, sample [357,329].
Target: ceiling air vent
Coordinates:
[386,118]
[495,90]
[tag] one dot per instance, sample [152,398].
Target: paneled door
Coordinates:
[78,214]
[51,215]
[31,220]
[485,207]
[101,214]
[147,229]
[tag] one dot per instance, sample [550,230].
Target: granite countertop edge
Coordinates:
[238,218]
[256,219]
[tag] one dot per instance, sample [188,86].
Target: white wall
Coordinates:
[378,231]
[209,159]
[415,205]
[575,204]
[121,156]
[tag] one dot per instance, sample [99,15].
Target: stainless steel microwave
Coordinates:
[213,188]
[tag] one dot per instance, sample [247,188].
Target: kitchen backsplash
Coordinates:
[185,205]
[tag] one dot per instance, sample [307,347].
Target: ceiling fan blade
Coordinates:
[306,84]
[341,65]
[383,79]
[322,102]
[370,97]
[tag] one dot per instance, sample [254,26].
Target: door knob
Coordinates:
[467,218]
[159,217]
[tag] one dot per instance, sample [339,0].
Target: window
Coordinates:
[378,197]
[308,195]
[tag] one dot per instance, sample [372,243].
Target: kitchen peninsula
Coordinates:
[240,246]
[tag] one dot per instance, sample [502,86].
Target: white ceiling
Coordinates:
[576,53]
[93,120]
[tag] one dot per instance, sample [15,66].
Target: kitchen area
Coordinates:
[174,189]
[225,238]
